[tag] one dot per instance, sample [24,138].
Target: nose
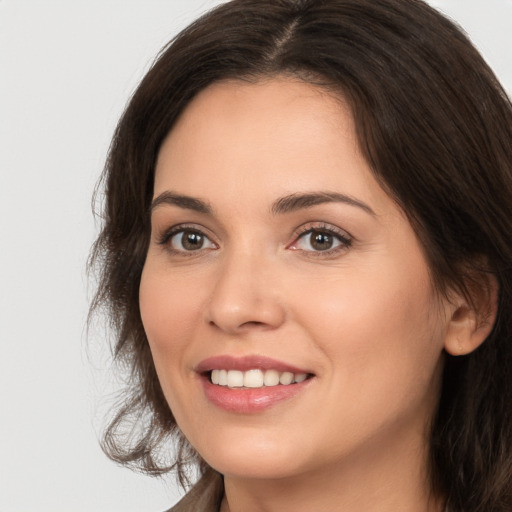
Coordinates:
[245,296]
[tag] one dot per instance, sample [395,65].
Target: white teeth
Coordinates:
[286,378]
[271,378]
[255,378]
[235,379]
[223,378]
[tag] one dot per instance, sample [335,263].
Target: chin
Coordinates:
[257,468]
[252,457]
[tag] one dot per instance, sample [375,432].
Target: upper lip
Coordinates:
[250,362]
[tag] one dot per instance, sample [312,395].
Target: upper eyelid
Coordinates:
[183,226]
[164,235]
[321,226]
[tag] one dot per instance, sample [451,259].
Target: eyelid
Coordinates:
[164,237]
[321,226]
[342,235]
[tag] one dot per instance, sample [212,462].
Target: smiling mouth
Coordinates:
[255,378]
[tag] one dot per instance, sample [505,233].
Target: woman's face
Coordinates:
[275,254]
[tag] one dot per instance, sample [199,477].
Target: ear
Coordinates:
[471,319]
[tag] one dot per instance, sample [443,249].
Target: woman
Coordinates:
[306,258]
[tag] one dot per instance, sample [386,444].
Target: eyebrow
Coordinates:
[283,205]
[182,201]
[294,202]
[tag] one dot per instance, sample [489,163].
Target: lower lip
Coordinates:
[250,400]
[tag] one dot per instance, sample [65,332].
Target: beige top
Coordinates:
[205,496]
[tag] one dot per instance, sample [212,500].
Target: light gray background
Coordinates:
[66,71]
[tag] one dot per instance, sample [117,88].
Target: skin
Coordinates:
[363,318]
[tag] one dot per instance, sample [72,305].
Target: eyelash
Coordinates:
[312,227]
[166,238]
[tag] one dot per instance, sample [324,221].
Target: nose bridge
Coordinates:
[244,295]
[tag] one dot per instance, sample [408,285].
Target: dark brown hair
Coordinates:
[436,128]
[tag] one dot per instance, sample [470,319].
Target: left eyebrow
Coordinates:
[294,202]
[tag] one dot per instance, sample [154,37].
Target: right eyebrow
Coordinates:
[182,201]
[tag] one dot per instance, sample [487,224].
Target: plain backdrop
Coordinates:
[66,71]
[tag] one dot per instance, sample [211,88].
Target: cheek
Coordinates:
[169,315]
[169,312]
[370,306]
[380,332]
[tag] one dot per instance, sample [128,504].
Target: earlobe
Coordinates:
[472,322]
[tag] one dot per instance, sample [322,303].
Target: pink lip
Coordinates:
[244,400]
[252,362]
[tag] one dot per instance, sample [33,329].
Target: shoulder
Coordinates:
[205,496]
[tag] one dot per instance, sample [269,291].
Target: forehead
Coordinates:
[270,138]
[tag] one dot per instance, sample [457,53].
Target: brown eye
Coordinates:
[321,241]
[189,240]
[192,241]
[317,240]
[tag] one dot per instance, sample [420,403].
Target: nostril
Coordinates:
[252,323]
[249,325]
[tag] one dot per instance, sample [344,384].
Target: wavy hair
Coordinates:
[436,128]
